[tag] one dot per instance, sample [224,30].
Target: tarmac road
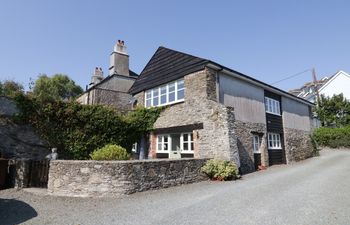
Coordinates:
[314,191]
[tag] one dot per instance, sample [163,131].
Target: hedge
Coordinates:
[333,137]
[77,130]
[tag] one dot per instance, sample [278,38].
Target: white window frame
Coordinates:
[182,142]
[163,143]
[256,143]
[168,102]
[274,141]
[272,106]
[189,142]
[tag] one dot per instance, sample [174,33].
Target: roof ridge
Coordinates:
[184,53]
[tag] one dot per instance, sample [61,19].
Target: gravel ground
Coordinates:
[315,191]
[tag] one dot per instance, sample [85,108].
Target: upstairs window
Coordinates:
[167,94]
[272,106]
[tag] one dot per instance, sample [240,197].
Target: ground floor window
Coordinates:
[274,141]
[256,143]
[182,142]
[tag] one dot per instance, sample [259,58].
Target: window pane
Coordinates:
[270,105]
[163,90]
[180,94]
[172,87]
[191,137]
[160,146]
[156,101]
[148,102]
[180,84]
[165,146]
[165,138]
[172,97]
[185,137]
[155,92]
[185,146]
[192,146]
[162,99]
[148,94]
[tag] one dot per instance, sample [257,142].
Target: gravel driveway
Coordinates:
[315,191]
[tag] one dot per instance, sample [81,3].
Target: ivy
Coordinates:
[77,130]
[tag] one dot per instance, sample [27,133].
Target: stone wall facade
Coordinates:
[244,132]
[217,138]
[297,144]
[114,178]
[112,92]
[18,141]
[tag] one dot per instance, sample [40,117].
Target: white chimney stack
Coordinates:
[119,60]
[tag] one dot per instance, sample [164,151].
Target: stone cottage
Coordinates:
[113,89]
[214,111]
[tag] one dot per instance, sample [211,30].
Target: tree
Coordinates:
[11,88]
[334,111]
[57,87]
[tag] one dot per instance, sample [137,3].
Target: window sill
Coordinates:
[274,113]
[169,104]
[182,152]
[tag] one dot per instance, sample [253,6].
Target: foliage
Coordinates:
[76,130]
[57,87]
[333,137]
[218,169]
[110,152]
[11,88]
[334,111]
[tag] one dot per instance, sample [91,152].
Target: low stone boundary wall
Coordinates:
[113,178]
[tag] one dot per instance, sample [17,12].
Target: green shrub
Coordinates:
[218,169]
[333,137]
[77,130]
[110,152]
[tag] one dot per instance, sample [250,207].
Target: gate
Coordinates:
[39,173]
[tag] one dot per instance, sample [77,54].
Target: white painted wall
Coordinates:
[340,83]
[247,99]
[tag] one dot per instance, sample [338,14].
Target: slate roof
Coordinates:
[167,65]
[132,75]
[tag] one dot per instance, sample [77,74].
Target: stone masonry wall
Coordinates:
[244,132]
[297,144]
[114,178]
[18,141]
[217,138]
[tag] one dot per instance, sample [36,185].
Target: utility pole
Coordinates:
[315,85]
[318,101]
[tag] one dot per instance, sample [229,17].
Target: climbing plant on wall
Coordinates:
[76,130]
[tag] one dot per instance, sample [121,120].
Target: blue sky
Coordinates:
[268,40]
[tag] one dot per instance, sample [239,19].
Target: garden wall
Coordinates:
[113,178]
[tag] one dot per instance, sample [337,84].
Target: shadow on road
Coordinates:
[15,212]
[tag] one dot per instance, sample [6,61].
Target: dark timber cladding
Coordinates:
[165,66]
[274,124]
